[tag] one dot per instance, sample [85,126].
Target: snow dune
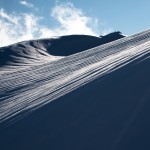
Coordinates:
[28,89]
[88,100]
[30,53]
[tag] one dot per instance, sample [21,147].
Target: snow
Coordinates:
[29,89]
[95,99]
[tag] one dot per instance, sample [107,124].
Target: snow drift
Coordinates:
[94,99]
[29,53]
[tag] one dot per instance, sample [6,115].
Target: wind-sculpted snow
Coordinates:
[23,55]
[40,51]
[30,88]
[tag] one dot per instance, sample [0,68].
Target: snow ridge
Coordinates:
[23,91]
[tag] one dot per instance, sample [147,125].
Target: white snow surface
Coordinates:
[24,90]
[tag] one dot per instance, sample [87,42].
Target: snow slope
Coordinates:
[29,53]
[95,99]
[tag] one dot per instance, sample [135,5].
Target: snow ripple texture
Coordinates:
[23,91]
